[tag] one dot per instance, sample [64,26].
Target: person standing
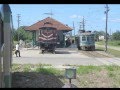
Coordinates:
[17,50]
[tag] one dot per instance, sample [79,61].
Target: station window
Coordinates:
[83,38]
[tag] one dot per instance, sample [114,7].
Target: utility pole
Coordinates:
[49,13]
[83,24]
[80,27]
[18,16]
[74,28]
[106,38]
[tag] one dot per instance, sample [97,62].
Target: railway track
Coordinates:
[95,54]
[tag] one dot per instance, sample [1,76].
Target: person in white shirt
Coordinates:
[17,50]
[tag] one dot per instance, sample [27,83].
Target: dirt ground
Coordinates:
[35,80]
[39,80]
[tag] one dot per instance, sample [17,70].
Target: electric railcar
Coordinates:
[85,41]
[48,38]
[5,45]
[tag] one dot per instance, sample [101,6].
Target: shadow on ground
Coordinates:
[35,80]
[62,52]
[98,50]
[95,50]
[57,52]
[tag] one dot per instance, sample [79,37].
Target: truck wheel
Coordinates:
[42,51]
[53,51]
[79,48]
[93,48]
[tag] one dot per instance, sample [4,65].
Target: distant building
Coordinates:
[61,30]
[101,37]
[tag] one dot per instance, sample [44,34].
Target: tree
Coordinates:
[96,35]
[23,35]
[99,33]
[116,35]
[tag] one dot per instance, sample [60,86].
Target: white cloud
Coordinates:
[76,16]
[114,20]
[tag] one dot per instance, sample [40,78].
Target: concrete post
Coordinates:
[7,46]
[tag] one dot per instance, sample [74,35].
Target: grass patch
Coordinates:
[87,69]
[114,73]
[113,52]
[41,68]
[48,71]
[114,43]
[99,76]
[87,76]
[110,43]
[116,53]
[100,42]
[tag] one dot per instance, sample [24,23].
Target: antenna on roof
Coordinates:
[49,13]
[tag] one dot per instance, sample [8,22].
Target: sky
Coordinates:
[95,18]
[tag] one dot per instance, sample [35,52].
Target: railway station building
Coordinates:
[61,28]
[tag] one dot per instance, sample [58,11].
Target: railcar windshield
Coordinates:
[0,7]
[90,38]
[83,38]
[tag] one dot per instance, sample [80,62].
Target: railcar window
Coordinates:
[1,32]
[92,38]
[88,38]
[83,38]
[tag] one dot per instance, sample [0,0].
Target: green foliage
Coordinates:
[15,35]
[23,35]
[116,35]
[98,33]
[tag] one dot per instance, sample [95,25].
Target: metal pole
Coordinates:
[83,24]
[18,24]
[49,13]
[106,39]
[70,83]
[74,28]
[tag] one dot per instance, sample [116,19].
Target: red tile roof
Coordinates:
[58,25]
[49,25]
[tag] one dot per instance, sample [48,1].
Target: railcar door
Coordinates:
[1,52]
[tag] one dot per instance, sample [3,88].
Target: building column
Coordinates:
[63,40]
[33,38]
